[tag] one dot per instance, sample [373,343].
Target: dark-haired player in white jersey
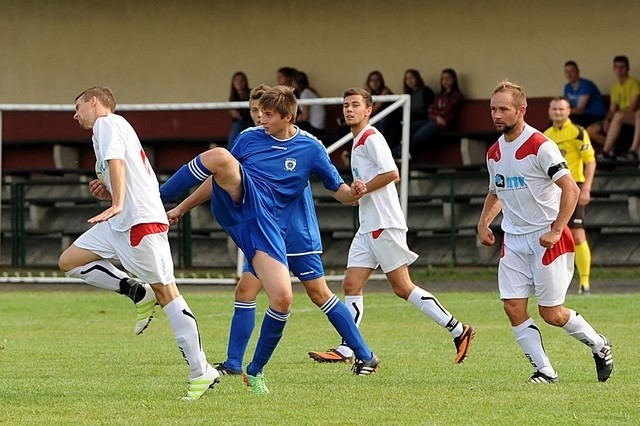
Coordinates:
[529,181]
[134,230]
[255,191]
[381,239]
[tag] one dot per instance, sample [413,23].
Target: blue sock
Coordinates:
[242,324]
[188,176]
[270,334]
[341,319]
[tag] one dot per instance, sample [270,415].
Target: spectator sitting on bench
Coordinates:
[441,113]
[390,125]
[587,104]
[241,117]
[284,77]
[311,118]
[622,110]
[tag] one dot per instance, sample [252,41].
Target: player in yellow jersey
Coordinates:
[575,145]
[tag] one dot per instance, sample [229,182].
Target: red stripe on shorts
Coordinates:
[139,231]
[564,245]
[376,234]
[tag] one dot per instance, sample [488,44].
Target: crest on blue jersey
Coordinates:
[290,164]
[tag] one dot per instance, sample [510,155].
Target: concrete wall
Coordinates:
[186,51]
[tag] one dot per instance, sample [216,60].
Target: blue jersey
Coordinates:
[302,240]
[276,207]
[301,232]
[595,104]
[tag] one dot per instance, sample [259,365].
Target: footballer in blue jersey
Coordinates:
[275,173]
[255,190]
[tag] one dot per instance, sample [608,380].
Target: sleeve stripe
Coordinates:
[555,169]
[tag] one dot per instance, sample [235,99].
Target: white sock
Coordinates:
[185,329]
[530,340]
[431,307]
[355,304]
[99,274]
[578,328]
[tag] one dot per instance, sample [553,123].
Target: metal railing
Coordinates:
[453,189]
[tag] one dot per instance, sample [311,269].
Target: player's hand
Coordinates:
[99,190]
[549,239]
[174,215]
[358,189]
[106,215]
[486,237]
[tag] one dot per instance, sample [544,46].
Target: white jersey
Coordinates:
[371,156]
[114,138]
[522,174]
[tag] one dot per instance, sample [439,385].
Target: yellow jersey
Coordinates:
[575,145]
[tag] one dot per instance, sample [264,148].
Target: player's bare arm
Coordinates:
[199,196]
[568,201]
[383,179]
[490,210]
[350,194]
[585,189]
[117,175]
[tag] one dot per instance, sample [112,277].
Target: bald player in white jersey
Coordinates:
[132,229]
[529,181]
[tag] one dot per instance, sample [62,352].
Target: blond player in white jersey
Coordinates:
[381,239]
[530,183]
[133,230]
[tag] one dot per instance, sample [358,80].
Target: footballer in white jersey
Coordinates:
[529,182]
[382,237]
[133,229]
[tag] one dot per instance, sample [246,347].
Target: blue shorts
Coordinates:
[305,267]
[249,224]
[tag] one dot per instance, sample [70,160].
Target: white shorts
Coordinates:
[143,250]
[526,268]
[385,247]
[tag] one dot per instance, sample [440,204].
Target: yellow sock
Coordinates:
[583,263]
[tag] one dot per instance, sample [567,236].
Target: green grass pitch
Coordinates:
[70,357]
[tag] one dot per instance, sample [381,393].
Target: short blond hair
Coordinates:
[517,93]
[103,93]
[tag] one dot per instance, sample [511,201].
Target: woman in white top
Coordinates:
[311,117]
